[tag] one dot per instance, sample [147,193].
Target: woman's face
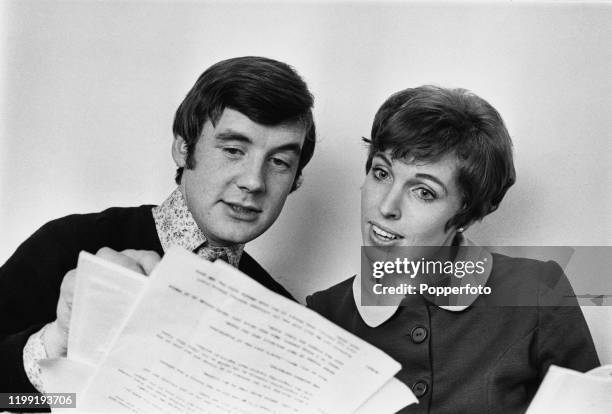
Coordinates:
[408,203]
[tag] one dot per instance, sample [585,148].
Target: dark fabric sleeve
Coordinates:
[30,280]
[313,302]
[14,378]
[334,301]
[318,302]
[310,302]
[250,266]
[29,289]
[563,336]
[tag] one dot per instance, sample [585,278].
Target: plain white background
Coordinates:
[89,91]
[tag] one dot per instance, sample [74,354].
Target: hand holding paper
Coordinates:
[57,332]
[201,336]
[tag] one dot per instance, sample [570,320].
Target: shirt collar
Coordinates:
[176,227]
[374,316]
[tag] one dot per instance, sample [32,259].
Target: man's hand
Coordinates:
[141,261]
[55,337]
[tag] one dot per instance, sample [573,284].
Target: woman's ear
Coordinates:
[179,151]
[465,227]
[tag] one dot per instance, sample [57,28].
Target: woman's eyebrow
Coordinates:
[432,178]
[384,157]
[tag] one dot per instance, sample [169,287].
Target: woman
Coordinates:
[439,160]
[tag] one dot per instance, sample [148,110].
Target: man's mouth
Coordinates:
[384,235]
[246,212]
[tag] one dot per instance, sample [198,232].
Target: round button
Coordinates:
[420,388]
[418,334]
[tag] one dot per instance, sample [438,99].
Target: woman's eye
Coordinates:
[380,174]
[425,194]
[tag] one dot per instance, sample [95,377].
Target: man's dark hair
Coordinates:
[268,92]
[428,122]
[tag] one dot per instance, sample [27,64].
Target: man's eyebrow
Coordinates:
[290,147]
[432,178]
[230,135]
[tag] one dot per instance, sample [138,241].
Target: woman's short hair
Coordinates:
[267,91]
[428,122]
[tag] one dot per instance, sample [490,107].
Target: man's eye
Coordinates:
[233,152]
[380,174]
[425,194]
[279,162]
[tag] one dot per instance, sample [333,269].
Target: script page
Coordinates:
[565,391]
[391,398]
[206,338]
[104,294]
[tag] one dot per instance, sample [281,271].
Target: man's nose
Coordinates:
[390,204]
[252,176]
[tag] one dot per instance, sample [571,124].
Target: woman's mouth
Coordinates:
[383,235]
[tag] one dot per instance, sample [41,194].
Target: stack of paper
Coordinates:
[565,391]
[202,337]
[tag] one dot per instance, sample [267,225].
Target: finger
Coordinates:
[64,315]
[121,259]
[64,304]
[55,340]
[147,259]
[67,287]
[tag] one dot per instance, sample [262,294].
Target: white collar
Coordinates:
[374,316]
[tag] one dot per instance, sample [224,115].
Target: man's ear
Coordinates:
[297,183]
[179,151]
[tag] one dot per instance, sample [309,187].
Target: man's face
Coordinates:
[243,173]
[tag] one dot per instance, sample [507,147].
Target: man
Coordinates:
[242,136]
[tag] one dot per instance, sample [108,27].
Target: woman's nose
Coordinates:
[390,204]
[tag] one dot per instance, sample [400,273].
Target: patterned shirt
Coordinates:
[175,226]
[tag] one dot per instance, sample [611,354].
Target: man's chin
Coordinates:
[232,237]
